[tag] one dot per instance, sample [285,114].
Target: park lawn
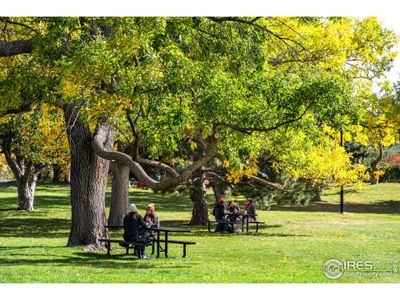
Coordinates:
[290,249]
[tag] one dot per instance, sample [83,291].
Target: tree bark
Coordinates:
[15,47]
[374,166]
[22,173]
[119,193]
[219,191]
[25,195]
[198,196]
[89,174]
[35,178]
[56,173]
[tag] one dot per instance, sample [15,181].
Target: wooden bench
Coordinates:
[154,240]
[122,243]
[183,243]
[214,223]
[257,223]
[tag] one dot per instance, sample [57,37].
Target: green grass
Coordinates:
[292,247]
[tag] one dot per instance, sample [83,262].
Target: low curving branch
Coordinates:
[157,164]
[273,185]
[100,138]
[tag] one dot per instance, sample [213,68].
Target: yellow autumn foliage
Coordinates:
[247,169]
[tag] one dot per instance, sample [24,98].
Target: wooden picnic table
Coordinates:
[166,240]
[157,239]
[244,219]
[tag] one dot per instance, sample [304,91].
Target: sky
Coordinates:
[393,23]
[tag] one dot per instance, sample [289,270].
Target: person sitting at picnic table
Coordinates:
[150,216]
[219,213]
[134,228]
[233,213]
[250,209]
[152,220]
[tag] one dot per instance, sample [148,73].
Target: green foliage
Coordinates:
[37,137]
[391,172]
[179,77]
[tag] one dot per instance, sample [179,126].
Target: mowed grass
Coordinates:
[292,247]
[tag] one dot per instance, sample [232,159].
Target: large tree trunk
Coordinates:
[119,193]
[219,191]
[88,182]
[374,167]
[198,196]
[22,172]
[56,173]
[25,195]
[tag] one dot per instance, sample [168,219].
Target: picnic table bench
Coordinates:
[183,243]
[156,240]
[243,218]
[254,222]
[122,243]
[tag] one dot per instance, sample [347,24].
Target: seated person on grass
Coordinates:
[134,228]
[219,213]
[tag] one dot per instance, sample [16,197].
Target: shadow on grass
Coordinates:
[213,234]
[91,260]
[337,192]
[42,202]
[34,227]
[378,207]
[10,209]
[5,248]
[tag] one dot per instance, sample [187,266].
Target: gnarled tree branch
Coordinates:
[273,185]
[15,47]
[100,138]
[250,130]
[157,164]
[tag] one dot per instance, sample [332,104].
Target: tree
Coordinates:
[222,79]
[31,142]
[378,127]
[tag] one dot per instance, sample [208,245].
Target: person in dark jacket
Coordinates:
[219,213]
[134,227]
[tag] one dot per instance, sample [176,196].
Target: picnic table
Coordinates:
[166,240]
[245,220]
[155,241]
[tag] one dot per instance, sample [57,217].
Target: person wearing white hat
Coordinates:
[132,207]
[134,226]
